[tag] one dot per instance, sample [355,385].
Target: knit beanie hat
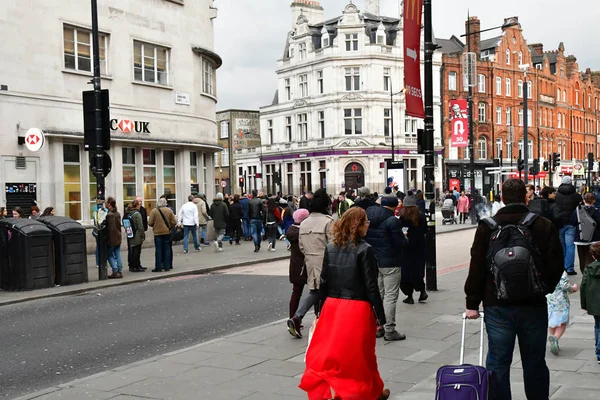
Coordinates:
[300,215]
[388,190]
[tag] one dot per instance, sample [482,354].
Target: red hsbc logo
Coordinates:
[128,126]
[33,139]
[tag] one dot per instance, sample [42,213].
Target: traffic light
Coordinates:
[590,161]
[546,166]
[520,164]
[555,161]
[89,120]
[536,166]
[241,181]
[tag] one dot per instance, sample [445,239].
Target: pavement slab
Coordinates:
[267,363]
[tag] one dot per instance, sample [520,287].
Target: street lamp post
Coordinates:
[525,123]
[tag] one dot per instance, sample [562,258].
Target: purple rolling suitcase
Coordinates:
[465,381]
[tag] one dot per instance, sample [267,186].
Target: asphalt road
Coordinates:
[53,341]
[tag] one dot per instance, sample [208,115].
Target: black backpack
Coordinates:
[512,258]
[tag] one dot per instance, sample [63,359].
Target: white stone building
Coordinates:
[330,122]
[158,62]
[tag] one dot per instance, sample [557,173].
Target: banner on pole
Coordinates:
[459,123]
[412,58]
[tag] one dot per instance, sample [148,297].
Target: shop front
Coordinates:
[458,175]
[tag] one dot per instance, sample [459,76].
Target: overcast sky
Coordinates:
[250,35]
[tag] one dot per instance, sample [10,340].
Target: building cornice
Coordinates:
[214,57]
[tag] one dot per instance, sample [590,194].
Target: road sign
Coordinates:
[223,184]
[34,139]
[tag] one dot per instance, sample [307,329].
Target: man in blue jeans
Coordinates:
[256,214]
[567,200]
[507,320]
[188,217]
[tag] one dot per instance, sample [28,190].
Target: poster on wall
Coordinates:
[454,183]
[395,175]
[459,123]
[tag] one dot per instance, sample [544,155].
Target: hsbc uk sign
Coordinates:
[128,126]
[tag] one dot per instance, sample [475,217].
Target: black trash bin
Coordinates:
[25,255]
[70,253]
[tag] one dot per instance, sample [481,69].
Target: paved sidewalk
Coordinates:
[205,261]
[184,264]
[266,363]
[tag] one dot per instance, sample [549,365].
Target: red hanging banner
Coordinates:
[459,123]
[412,58]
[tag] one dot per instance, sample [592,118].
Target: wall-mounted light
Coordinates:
[21,140]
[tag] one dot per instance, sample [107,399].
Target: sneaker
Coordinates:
[185,252]
[424,296]
[395,335]
[198,249]
[598,359]
[270,245]
[272,250]
[216,246]
[282,237]
[220,249]
[553,345]
[294,327]
[206,244]
[380,333]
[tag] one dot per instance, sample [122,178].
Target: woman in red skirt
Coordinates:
[341,362]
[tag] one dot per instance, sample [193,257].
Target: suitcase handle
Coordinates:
[462,341]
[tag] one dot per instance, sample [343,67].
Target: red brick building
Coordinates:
[563,104]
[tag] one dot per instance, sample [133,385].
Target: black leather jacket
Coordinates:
[351,273]
[256,210]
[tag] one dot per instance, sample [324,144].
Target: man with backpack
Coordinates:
[516,259]
[567,200]
[586,220]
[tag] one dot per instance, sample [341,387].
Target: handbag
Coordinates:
[176,232]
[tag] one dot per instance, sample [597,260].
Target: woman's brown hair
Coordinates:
[411,214]
[347,229]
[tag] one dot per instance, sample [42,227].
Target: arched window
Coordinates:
[499,148]
[559,120]
[482,148]
[520,58]
[564,96]
[507,57]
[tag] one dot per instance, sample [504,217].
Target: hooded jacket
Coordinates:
[220,213]
[590,289]
[314,237]
[385,236]
[567,200]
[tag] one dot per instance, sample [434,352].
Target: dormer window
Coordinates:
[325,39]
[302,51]
[507,57]
[291,51]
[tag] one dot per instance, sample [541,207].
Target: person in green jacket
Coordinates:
[139,236]
[590,293]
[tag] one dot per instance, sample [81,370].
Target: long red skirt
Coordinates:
[341,355]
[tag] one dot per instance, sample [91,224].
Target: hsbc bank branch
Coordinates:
[162,82]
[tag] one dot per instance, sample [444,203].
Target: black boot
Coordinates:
[409,300]
[424,296]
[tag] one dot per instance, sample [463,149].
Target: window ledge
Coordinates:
[152,85]
[210,96]
[83,73]
[180,2]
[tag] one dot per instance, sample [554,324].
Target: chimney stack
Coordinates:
[473,25]
[538,49]
[571,62]
[311,9]
[372,7]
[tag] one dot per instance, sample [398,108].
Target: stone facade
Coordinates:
[330,123]
[158,63]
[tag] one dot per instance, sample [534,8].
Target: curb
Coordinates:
[458,229]
[110,284]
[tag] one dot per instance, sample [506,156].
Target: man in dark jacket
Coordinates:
[143,213]
[220,215]
[364,199]
[306,200]
[245,220]
[236,213]
[386,237]
[567,200]
[537,205]
[256,214]
[583,248]
[548,193]
[527,320]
